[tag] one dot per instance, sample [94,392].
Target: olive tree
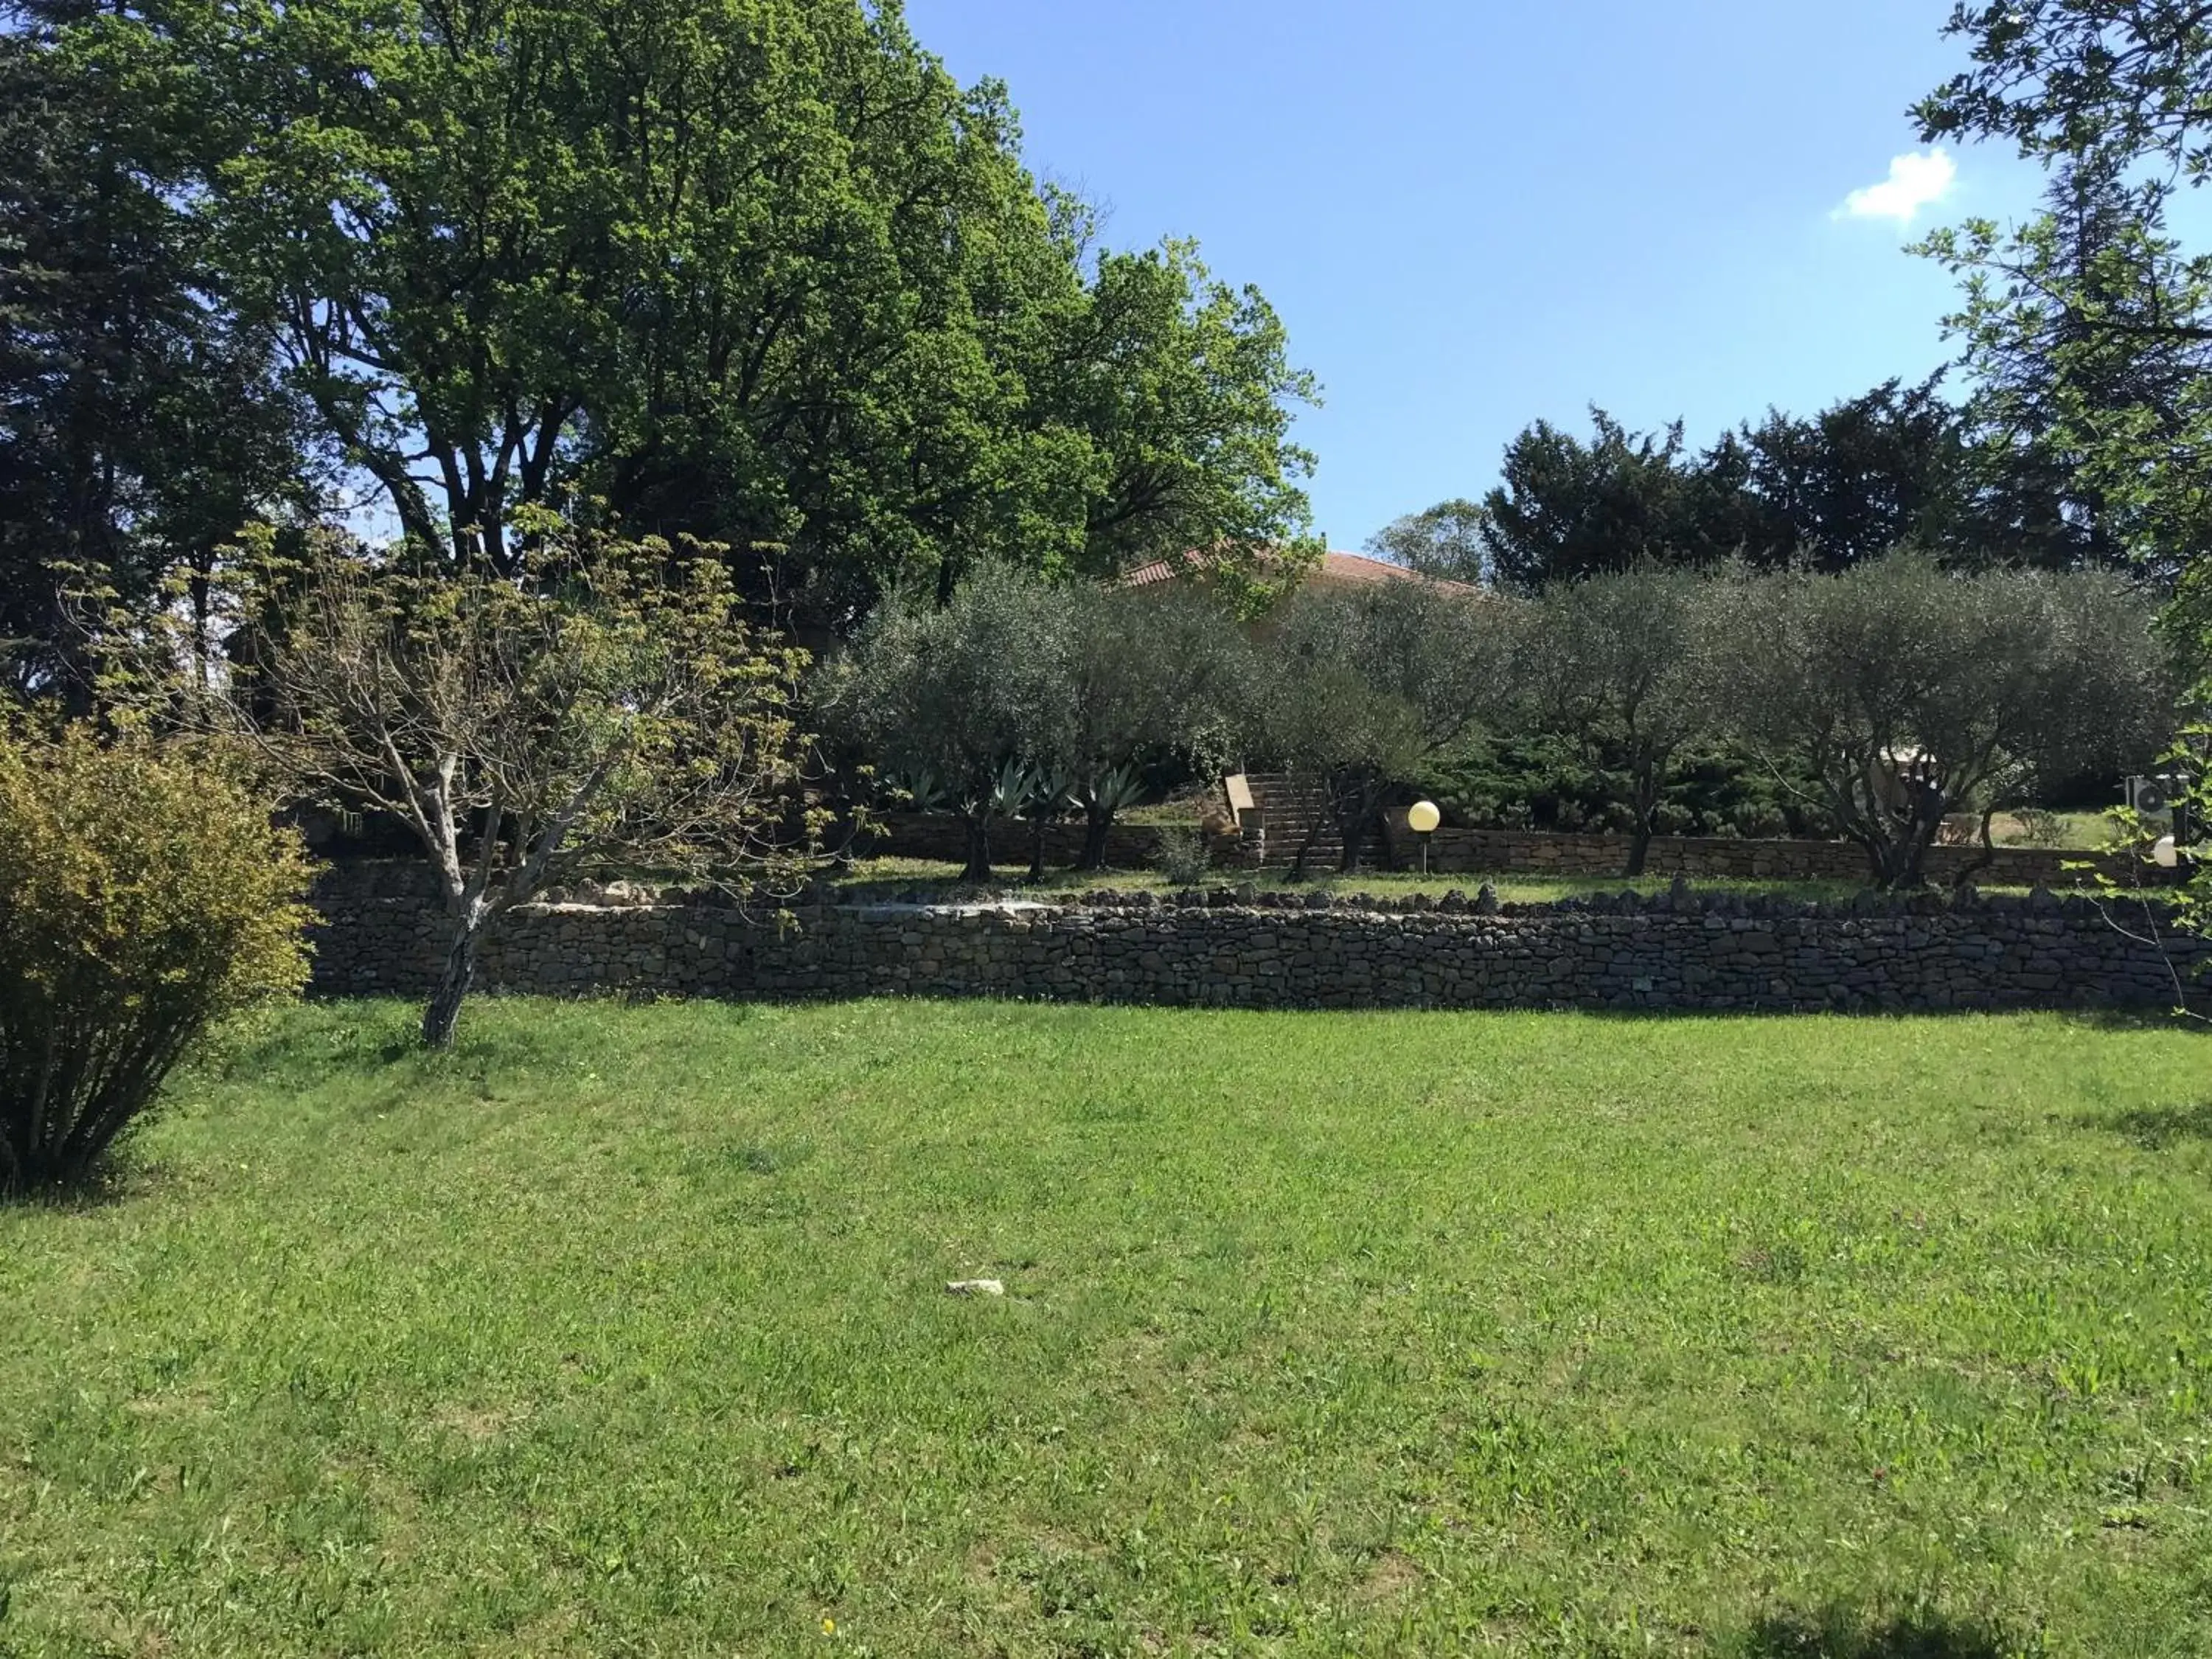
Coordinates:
[966,693]
[1622,663]
[1361,686]
[613,712]
[1154,672]
[1908,692]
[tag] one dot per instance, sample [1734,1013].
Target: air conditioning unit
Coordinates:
[2146,795]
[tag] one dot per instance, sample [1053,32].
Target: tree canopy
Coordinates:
[618,714]
[754,270]
[1847,484]
[1908,692]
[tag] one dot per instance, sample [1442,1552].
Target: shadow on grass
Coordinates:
[2155,1128]
[1852,1635]
[120,1177]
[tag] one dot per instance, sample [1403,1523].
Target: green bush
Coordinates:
[147,896]
[1183,859]
[1541,781]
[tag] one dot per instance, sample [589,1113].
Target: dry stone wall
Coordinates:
[1506,853]
[1714,857]
[382,933]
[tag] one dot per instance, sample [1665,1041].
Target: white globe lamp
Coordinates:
[1422,818]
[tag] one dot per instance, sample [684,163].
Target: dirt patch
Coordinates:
[477,1424]
[1392,1578]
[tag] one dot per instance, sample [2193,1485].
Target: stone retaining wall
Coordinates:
[1225,950]
[1503,853]
[1713,858]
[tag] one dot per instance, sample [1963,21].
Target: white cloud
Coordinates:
[1915,181]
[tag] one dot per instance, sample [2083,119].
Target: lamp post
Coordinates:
[1422,818]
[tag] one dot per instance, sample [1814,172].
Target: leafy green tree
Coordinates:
[1183,391]
[1156,673]
[1444,542]
[2062,78]
[756,270]
[1568,508]
[2094,308]
[141,425]
[2108,324]
[617,714]
[1623,663]
[1862,476]
[1908,692]
[970,694]
[148,900]
[1846,484]
[1363,687]
[2089,339]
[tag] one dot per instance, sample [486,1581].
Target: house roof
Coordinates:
[1334,570]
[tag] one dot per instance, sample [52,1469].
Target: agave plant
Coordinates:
[1101,798]
[1012,789]
[1052,796]
[919,791]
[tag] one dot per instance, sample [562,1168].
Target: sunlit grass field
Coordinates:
[623,1331]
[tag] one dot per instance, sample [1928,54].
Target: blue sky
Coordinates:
[1473,214]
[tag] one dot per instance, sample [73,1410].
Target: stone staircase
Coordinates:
[1284,810]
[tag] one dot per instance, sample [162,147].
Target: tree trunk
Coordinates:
[1097,820]
[979,847]
[1352,822]
[1920,835]
[1639,849]
[1913,854]
[1036,849]
[445,1009]
[1982,859]
[1297,870]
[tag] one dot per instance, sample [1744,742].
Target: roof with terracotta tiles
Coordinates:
[1335,570]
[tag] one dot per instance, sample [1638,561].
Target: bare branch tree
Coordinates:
[614,712]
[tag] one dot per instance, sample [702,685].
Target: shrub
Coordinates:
[1536,781]
[147,897]
[1184,860]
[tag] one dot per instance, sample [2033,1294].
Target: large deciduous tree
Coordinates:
[756,270]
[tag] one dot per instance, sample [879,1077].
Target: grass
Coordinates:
[622,1331]
[889,877]
[2081,832]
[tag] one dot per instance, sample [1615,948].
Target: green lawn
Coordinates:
[623,1331]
